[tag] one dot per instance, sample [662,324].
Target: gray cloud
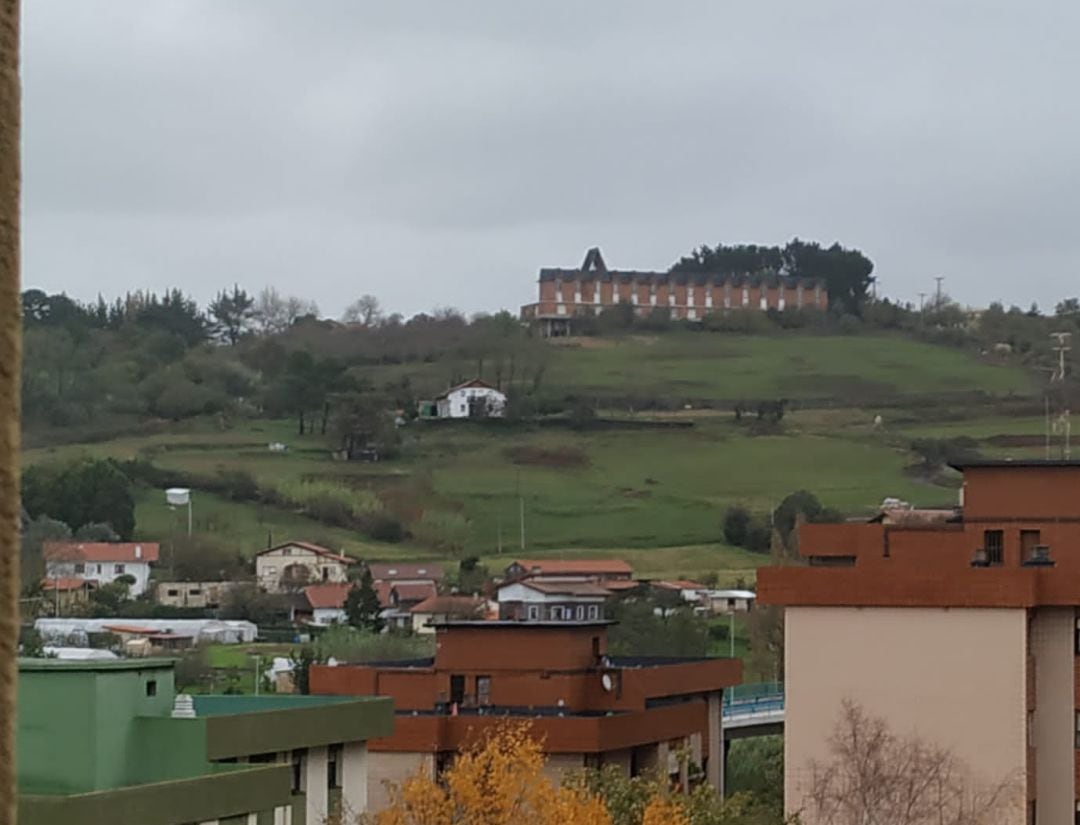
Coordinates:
[438,153]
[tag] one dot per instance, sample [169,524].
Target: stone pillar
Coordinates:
[354,779]
[715,774]
[316,786]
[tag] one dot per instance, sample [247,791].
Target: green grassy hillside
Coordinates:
[656,497]
[708,366]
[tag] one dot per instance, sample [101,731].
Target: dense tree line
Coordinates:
[846,272]
[93,368]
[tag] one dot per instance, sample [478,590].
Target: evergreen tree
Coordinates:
[232,314]
[362,605]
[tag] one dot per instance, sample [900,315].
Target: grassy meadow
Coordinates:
[653,496]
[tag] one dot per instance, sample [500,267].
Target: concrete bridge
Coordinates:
[753,710]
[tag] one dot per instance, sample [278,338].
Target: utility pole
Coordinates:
[10,371]
[521,511]
[922,301]
[1062,424]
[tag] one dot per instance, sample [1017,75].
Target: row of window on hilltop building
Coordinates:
[701,299]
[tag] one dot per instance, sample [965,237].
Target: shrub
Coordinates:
[382,527]
[736,525]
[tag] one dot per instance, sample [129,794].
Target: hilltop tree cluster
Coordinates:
[95,368]
[846,272]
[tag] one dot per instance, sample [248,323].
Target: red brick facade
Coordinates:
[566,293]
[558,677]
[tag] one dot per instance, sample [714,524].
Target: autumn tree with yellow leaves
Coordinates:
[500,780]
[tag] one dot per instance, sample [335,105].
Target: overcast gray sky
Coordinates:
[437,153]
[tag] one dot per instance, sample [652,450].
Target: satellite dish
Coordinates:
[607,682]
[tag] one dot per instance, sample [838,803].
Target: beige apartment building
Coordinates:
[957,627]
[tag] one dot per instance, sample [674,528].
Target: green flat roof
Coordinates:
[223,705]
[92,665]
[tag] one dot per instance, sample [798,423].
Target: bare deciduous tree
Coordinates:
[275,313]
[365,310]
[875,777]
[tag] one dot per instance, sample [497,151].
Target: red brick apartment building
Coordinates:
[589,708]
[592,288]
[964,629]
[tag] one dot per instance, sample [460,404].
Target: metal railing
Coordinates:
[762,697]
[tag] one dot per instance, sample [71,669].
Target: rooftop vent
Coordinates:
[183,707]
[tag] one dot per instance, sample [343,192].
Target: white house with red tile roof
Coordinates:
[101,562]
[327,602]
[537,600]
[596,570]
[300,563]
[457,402]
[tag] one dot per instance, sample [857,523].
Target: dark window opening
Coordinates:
[994,544]
[297,771]
[151,688]
[1029,540]
[457,688]
[832,561]
[333,767]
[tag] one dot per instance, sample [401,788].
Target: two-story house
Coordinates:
[101,562]
[296,564]
[545,590]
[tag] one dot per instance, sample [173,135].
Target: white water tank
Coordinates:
[178,496]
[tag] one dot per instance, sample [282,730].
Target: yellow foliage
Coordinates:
[662,811]
[499,780]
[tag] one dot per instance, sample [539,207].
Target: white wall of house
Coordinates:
[104,572]
[328,615]
[456,404]
[270,565]
[535,603]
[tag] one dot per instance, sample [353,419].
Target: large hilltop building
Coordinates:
[592,288]
[961,627]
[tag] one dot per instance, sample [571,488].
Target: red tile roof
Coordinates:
[681,584]
[566,588]
[101,551]
[581,567]
[452,605]
[314,548]
[381,571]
[66,583]
[327,596]
[622,584]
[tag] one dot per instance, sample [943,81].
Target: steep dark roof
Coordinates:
[594,268]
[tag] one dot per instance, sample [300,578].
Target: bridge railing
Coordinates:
[761,697]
